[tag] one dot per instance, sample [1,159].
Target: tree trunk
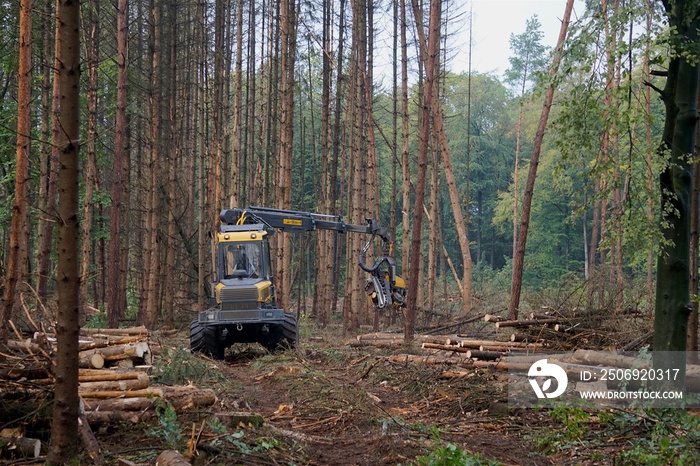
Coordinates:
[680,99]
[115,308]
[519,259]
[93,58]
[48,165]
[286,132]
[20,209]
[64,430]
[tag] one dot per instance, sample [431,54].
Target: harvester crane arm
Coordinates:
[382,284]
[299,222]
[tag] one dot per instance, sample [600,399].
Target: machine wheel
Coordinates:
[286,335]
[205,339]
[290,331]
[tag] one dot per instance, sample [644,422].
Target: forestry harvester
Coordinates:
[243,305]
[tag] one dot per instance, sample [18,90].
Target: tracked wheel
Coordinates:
[205,339]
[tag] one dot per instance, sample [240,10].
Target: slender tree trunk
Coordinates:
[149,315]
[429,58]
[20,209]
[286,131]
[405,160]
[115,301]
[237,111]
[649,158]
[64,430]
[455,198]
[48,166]
[519,259]
[93,59]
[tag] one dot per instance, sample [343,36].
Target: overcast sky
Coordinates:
[493,23]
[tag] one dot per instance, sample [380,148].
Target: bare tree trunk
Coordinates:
[64,430]
[324,251]
[455,201]
[405,160]
[286,131]
[237,104]
[20,209]
[93,59]
[149,315]
[519,259]
[115,301]
[48,165]
[650,173]
[429,59]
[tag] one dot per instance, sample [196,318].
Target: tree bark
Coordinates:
[93,58]
[519,259]
[680,100]
[66,402]
[20,209]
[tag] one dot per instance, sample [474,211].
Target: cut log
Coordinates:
[19,447]
[115,353]
[456,349]
[171,458]
[115,331]
[484,355]
[183,398]
[110,341]
[140,382]
[493,343]
[120,404]
[526,323]
[432,359]
[529,339]
[508,349]
[492,318]
[91,361]
[102,376]
[106,418]
[380,336]
[153,392]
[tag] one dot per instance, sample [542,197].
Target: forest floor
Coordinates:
[327,403]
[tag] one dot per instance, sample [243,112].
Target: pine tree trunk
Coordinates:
[65,409]
[93,57]
[48,165]
[286,132]
[115,300]
[20,209]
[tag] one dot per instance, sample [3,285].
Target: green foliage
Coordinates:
[451,455]
[170,429]
[180,367]
[96,320]
[672,438]
[658,437]
[573,425]
[529,55]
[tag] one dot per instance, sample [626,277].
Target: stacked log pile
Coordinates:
[114,375]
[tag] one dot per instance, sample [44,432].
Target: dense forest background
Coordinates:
[350,108]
